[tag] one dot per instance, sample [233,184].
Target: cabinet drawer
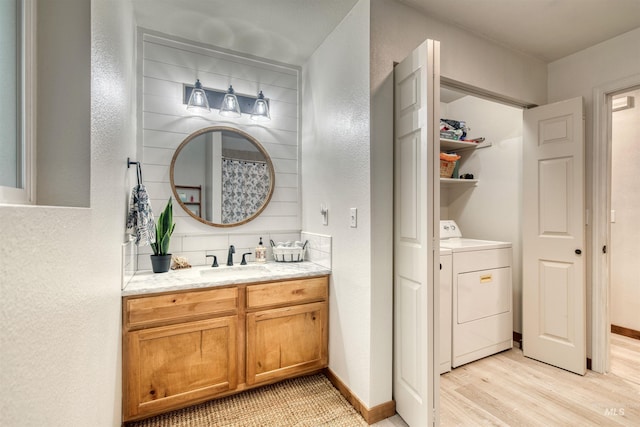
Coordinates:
[290,292]
[169,308]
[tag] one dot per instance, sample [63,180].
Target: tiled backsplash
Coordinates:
[318,249]
[129,262]
[196,247]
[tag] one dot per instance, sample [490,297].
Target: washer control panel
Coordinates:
[449,229]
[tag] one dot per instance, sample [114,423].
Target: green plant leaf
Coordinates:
[164,230]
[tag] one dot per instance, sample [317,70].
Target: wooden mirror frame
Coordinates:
[244,135]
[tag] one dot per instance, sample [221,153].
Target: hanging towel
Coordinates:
[140,222]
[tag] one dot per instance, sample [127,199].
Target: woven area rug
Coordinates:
[305,401]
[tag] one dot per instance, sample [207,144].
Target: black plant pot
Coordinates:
[160,263]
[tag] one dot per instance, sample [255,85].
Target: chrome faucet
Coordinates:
[232,250]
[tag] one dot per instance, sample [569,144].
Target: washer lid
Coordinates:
[462,245]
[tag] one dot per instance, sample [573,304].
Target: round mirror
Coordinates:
[222,176]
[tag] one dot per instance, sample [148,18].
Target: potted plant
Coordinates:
[161,260]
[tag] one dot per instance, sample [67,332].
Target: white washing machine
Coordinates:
[482,317]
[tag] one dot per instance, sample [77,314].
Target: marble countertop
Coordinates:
[147,282]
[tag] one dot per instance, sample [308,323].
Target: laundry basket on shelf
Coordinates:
[447,164]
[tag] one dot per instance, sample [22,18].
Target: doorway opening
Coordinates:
[492,208]
[606,209]
[624,199]
[488,209]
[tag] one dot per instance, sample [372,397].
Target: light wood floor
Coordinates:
[510,390]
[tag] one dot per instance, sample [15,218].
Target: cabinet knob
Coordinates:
[578,252]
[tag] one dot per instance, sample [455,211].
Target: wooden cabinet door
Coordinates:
[286,341]
[172,366]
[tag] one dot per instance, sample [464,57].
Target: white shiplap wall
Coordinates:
[166,65]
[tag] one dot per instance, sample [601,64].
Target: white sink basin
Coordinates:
[234,272]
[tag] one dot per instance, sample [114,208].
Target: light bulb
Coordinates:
[198,99]
[230,107]
[260,109]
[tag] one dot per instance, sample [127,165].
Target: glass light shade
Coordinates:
[230,106]
[198,100]
[260,111]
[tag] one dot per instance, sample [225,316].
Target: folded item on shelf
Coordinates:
[456,126]
[452,157]
[450,134]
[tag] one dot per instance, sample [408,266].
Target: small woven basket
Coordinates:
[446,168]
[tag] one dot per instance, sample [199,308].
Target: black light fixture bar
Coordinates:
[214,97]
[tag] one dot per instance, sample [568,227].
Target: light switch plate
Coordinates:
[354,217]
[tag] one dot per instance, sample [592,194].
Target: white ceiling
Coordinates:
[287,31]
[290,31]
[546,29]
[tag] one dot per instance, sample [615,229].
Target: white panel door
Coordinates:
[416,217]
[554,308]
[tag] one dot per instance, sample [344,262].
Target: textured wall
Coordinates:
[577,74]
[60,268]
[625,201]
[336,172]
[397,29]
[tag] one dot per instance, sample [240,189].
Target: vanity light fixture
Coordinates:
[260,111]
[229,103]
[198,100]
[230,106]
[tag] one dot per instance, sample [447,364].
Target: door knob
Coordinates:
[578,251]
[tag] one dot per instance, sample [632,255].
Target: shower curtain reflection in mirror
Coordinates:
[245,186]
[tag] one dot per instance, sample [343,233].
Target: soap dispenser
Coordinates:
[261,252]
